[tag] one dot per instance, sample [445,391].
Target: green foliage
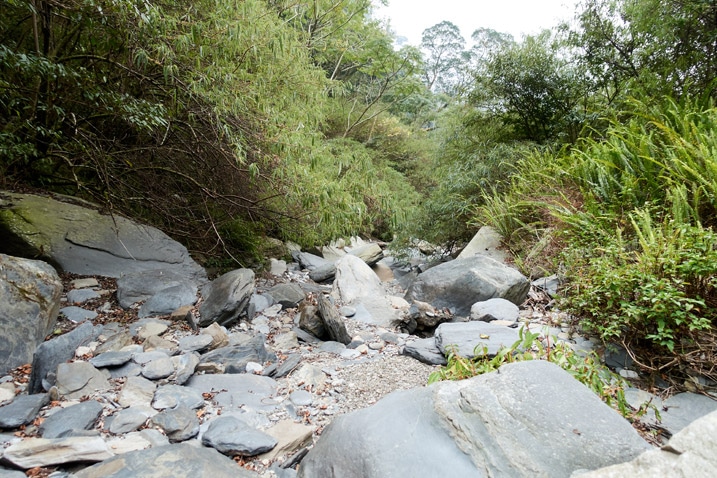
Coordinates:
[536,88]
[660,47]
[657,287]
[587,369]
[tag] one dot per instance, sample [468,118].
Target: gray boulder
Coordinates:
[288,295]
[30,296]
[495,309]
[179,424]
[530,419]
[227,298]
[167,461]
[690,453]
[79,239]
[459,284]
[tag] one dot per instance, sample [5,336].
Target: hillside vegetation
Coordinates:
[591,147]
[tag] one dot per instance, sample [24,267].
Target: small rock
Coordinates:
[253,367]
[301,398]
[152,329]
[233,437]
[179,423]
[130,419]
[77,314]
[22,410]
[77,379]
[81,416]
[80,296]
[159,368]
[111,359]
[137,391]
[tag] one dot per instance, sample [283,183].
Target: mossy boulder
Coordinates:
[76,237]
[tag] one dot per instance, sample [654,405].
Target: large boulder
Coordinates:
[459,284]
[30,296]
[358,285]
[529,419]
[690,453]
[81,240]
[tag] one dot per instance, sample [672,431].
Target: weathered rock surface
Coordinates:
[234,437]
[288,295]
[459,284]
[77,379]
[22,410]
[691,453]
[167,461]
[486,242]
[495,309]
[30,296]
[227,297]
[81,240]
[531,419]
[64,422]
[34,452]
[469,338]
[235,357]
[52,353]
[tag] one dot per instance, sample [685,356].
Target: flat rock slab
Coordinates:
[22,410]
[238,390]
[167,461]
[64,422]
[483,426]
[680,410]
[34,452]
[77,379]
[113,358]
[77,314]
[426,351]
[171,396]
[469,338]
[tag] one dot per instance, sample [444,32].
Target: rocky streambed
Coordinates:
[316,367]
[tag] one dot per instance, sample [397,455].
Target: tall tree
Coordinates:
[444,47]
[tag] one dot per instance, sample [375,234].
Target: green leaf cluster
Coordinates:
[587,368]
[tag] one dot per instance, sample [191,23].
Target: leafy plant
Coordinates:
[585,368]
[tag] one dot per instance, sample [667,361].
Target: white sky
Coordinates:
[410,17]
